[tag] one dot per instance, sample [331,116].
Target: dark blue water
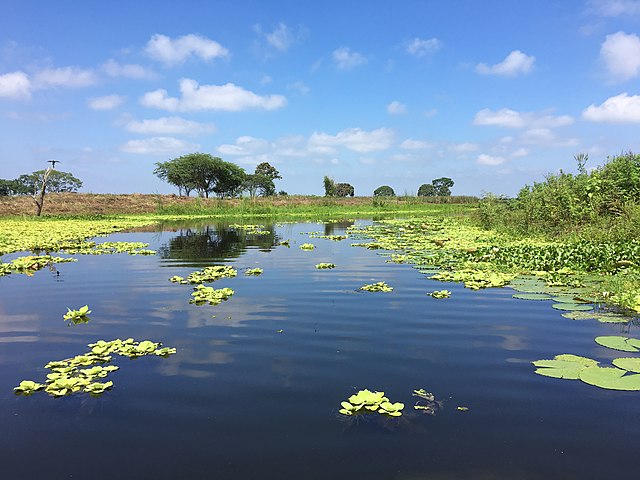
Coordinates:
[241,400]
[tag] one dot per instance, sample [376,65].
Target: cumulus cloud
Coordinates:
[419,47]
[516,63]
[160,146]
[354,139]
[520,152]
[107,102]
[68,77]
[508,118]
[228,97]
[622,108]
[15,85]
[614,8]
[134,71]
[396,108]
[620,54]
[246,145]
[345,59]
[169,126]
[175,51]
[410,144]
[484,159]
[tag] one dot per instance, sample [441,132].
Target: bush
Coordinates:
[384,191]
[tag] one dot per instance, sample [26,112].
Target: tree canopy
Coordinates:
[442,186]
[343,190]
[384,191]
[30,184]
[427,190]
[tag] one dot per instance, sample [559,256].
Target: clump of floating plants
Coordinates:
[323,266]
[440,294]
[624,375]
[207,275]
[31,263]
[366,401]
[69,376]
[106,248]
[285,243]
[335,238]
[77,316]
[377,287]
[210,295]
[251,229]
[254,271]
[307,246]
[427,403]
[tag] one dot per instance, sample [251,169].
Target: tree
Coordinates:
[343,190]
[230,179]
[384,191]
[329,187]
[258,184]
[427,190]
[57,182]
[8,187]
[442,186]
[268,171]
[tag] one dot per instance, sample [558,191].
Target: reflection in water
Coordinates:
[341,226]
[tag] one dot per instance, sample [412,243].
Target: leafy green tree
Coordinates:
[442,186]
[329,187]
[384,191]
[230,179]
[258,184]
[268,171]
[8,187]
[343,190]
[175,172]
[427,190]
[57,182]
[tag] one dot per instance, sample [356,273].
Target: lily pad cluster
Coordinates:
[254,271]
[307,246]
[209,295]
[323,266]
[440,294]
[366,401]
[624,375]
[106,248]
[474,279]
[206,275]
[31,263]
[76,317]
[377,287]
[69,376]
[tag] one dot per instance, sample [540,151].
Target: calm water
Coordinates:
[241,400]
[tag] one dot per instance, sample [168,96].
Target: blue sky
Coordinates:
[494,94]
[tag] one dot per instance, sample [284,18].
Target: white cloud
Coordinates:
[108,102]
[354,139]
[281,38]
[134,71]
[15,85]
[508,118]
[165,146]
[70,77]
[465,147]
[169,126]
[614,8]
[396,108]
[175,51]
[420,47]
[514,64]
[410,144]
[484,159]
[246,146]
[228,97]
[346,59]
[519,153]
[619,109]
[620,53]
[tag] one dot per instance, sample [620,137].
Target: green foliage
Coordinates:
[621,343]
[77,316]
[258,184]
[343,190]
[206,275]
[427,403]
[384,191]
[329,186]
[377,287]
[31,263]
[366,401]
[254,271]
[442,186]
[202,295]
[307,246]
[268,171]
[427,190]
[57,182]
[440,294]
[324,266]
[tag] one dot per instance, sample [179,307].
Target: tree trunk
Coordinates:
[39,199]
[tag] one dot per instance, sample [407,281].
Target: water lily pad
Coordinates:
[610,378]
[532,296]
[628,364]
[617,342]
[572,306]
[565,366]
[602,317]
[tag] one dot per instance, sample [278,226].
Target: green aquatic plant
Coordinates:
[474,279]
[307,246]
[427,403]
[202,295]
[377,287]
[254,271]
[30,264]
[440,294]
[621,343]
[532,296]
[322,266]
[285,243]
[610,378]
[572,307]
[77,316]
[366,401]
[68,377]
[564,366]
[335,238]
[250,229]
[602,317]
[206,275]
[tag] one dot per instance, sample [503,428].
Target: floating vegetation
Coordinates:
[254,271]
[366,401]
[532,296]
[307,246]
[440,294]
[77,316]
[427,403]
[31,263]
[207,275]
[565,366]
[377,287]
[106,248]
[572,307]
[462,408]
[285,243]
[602,317]
[68,377]
[624,344]
[251,229]
[368,246]
[202,295]
[325,265]
[335,238]
[474,279]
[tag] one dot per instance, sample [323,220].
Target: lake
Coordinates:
[254,389]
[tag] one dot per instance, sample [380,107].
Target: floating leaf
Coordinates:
[616,342]
[565,366]
[602,317]
[532,296]
[28,387]
[628,364]
[610,378]
[440,294]
[254,271]
[377,287]
[307,246]
[325,265]
[572,306]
